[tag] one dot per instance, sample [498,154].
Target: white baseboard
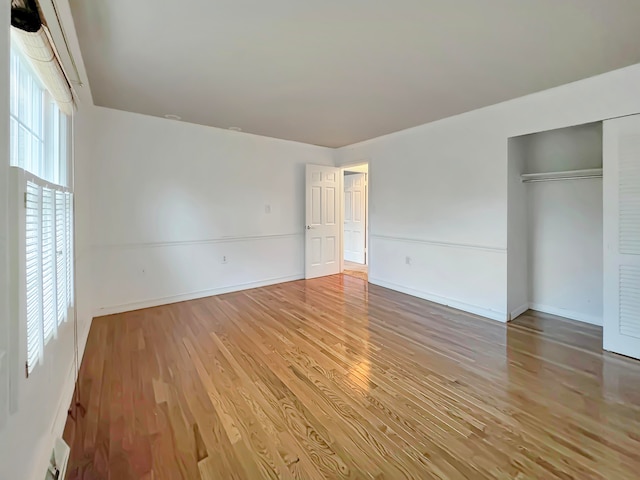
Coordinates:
[518,311]
[577,316]
[465,307]
[156,302]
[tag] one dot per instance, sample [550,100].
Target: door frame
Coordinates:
[343,168]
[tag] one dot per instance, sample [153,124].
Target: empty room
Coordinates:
[303,239]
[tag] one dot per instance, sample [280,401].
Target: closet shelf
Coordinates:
[566,175]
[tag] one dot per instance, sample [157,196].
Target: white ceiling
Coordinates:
[335,72]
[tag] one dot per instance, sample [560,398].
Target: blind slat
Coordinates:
[33,264]
[48,285]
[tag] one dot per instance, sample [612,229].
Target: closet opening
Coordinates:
[555,224]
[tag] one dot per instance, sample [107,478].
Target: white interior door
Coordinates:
[621,188]
[323,228]
[355,205]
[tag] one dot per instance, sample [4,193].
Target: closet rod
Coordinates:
[555,179]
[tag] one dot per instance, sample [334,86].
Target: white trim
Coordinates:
[204,241]
[560,312]
[563,175]
[341,215]
[23,175]
[4,395]
[440,244]
[155,302]
[518,311]
[60,415]
[355,163]
[582,173]
[69,386]
[432,297]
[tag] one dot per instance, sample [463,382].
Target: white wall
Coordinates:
[565,224]
[41,401]
[571,148]
[450,215]
[518,231]
[170,199]
[565,249]
[4,230]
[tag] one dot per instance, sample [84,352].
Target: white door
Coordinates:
[355,204]
[621,189]
[322,244]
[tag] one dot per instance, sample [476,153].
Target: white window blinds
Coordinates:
[47,264]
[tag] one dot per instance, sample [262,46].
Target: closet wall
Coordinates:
[557,224]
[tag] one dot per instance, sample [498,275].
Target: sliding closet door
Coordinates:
[621,186]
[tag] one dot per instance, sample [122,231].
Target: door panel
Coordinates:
[621,326]
[322,229]
[316,206]
[331,212]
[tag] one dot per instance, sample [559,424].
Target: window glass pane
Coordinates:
[38,118]
[14,142]
[36,110]
[36,156]
[55,143]
[22,148]
[64,148]
[38,139]
[24,96]
[14,81]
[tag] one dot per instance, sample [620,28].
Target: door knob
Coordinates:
[308,227]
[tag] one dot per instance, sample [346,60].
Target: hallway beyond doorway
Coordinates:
[356,270]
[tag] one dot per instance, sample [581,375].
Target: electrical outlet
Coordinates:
[58,462]
[407,260]
[224,259]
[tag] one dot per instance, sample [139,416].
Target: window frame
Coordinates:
[39,119]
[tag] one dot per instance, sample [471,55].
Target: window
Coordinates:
[39,136]
[39,146]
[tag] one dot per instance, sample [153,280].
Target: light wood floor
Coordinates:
[334,378]
[356,270]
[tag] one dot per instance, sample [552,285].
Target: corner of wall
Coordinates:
[4,213]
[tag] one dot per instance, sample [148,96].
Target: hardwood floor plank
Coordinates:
[336,378]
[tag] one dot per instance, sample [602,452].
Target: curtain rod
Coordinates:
[66,44]
[555,179]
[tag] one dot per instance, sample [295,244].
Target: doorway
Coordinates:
[356,221]
[555,223]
